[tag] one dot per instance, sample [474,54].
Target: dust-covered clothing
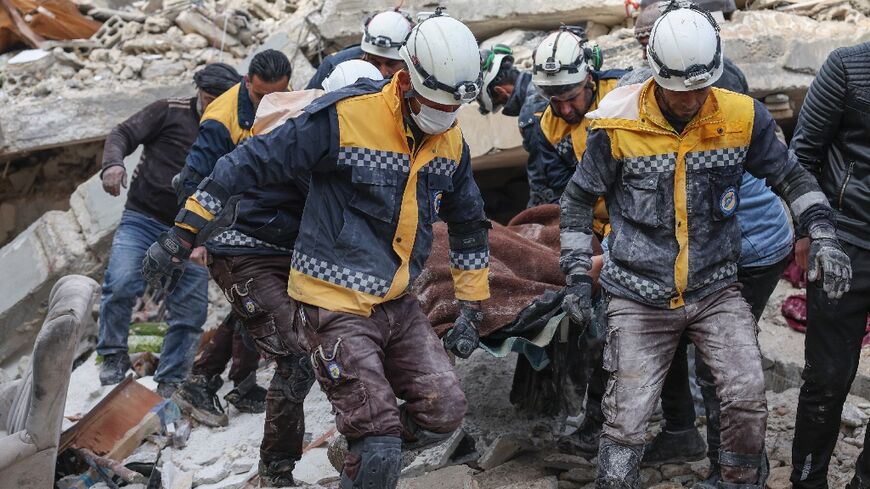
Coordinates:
[364,363]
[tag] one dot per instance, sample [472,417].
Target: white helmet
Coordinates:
[384,33]
[348,72]
[560,60]
[443,60]
[490,65]
[684,50]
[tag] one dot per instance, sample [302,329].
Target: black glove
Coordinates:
[164,261]
[577,303]
[828,261]
[463,338]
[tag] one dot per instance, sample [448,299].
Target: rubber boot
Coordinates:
[248,397]
[618,465]
[374,462]
[674,447]
[277,473]
[731,463]
[198,398]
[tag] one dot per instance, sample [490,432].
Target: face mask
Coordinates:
[433,121]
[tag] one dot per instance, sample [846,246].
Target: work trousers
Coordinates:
[123,283]
[835,329]
[256,287]
[364,363]
[641,341]
[678,406]
[228,343]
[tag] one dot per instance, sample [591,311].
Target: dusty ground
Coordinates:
[487,382]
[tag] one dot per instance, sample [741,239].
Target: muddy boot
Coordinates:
[248,397]
[416,438]
[675,447]
[114,368]
[373,462]
[583,442]
[618,465]
[277,473]
[198,398]
[740,466]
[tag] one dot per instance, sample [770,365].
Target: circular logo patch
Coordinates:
[334,370]
[728,201]
[436,202]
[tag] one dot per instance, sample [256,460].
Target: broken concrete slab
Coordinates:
[524,468]
[550,482]
[458,477]
[341,21]
[500,451]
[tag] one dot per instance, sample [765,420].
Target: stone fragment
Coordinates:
[193,41]
[779,478]
[543,483]
[456,477]
[135,63]
[191,21]
[669,471]
[569,485]
[212,473]
[109,33]
[853,417]
[242,465]
[163,68]
[579,474]
[150,44]
[667,485]
[650,476]
[157,24]
[564,461]
[502,449]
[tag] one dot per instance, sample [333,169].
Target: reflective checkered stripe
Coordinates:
[237,239]
[565,146]
[715,158]
[726,271]
[469,261]
[374,158]
[650,164]
[646,289]
[343,277]
[440,166]
[207,201]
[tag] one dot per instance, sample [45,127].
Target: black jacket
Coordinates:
[166,129]
[832,138]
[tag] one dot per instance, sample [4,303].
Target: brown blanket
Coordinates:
[524,263]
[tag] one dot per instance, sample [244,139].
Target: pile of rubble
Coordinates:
[146,41]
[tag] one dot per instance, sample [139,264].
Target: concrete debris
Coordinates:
[502,449]
[458,477]
[580,474]
[210,474]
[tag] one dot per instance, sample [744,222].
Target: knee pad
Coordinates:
[294,377]
[618,465]
[373,462]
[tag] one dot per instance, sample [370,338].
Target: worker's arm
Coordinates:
[821,115]
[768,158]
[591,179]
[468,230]
[286,154]
[542,155]
[212,141]
[141,128]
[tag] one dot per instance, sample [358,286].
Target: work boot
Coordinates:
[675,447]
[114,368]
[166,389]
[584,441]
[277,473]
[373,462]
[618,465]
[248,397]
[858,482]
[198,398]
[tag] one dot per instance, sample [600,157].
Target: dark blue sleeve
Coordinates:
[598,170]
[540,151]
[300,146]
[464,203]
[212,141]
[322,72]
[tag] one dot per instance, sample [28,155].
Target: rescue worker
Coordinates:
[383,34]
[166,129]
[565,71]
[385,162]
[765,245]
[563,74]
[511,91]
[249,262]
[832,140]
[668,156]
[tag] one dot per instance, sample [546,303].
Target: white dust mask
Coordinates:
[433,121]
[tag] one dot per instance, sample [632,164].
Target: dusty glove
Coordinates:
[164,261]
[464,337]
[578,299]
[828,261]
